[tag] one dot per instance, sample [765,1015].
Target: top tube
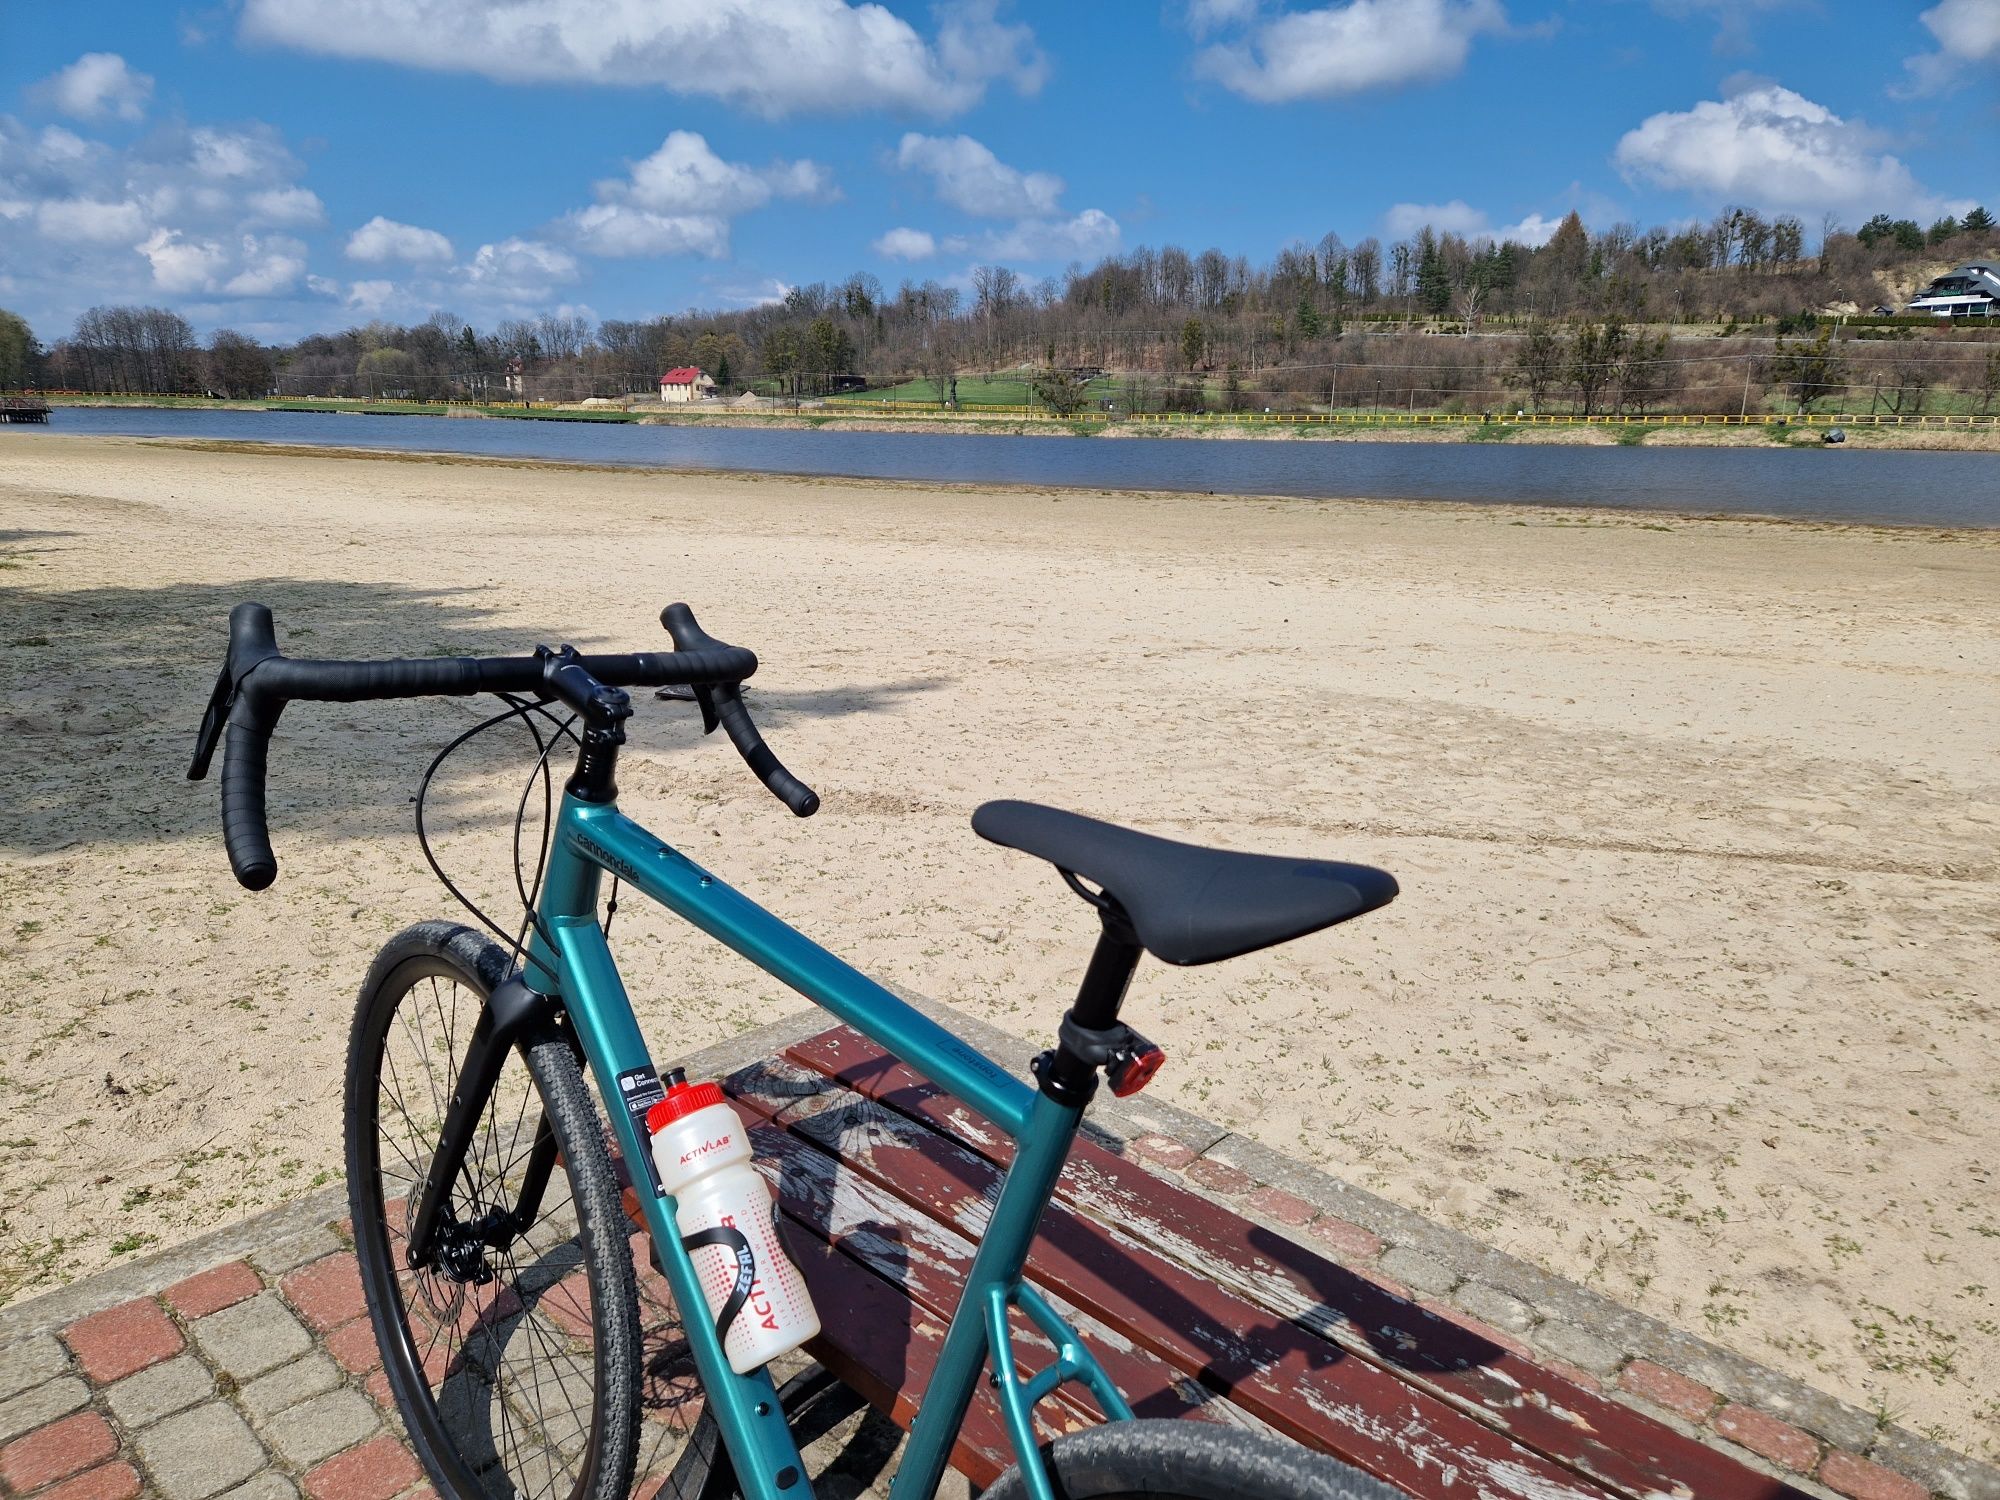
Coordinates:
[604,837]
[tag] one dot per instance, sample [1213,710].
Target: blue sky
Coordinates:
[281,166]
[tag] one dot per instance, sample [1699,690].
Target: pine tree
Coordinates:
[1979,221]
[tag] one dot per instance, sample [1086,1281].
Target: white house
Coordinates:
[1972,291]
[686,384]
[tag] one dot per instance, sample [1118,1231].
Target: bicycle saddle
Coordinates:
[1187,904]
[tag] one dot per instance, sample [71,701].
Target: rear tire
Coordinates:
[1186,1460]
[517,1374]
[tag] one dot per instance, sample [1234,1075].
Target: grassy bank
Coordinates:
[1940,430]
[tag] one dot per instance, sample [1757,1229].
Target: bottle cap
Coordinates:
[682,1099]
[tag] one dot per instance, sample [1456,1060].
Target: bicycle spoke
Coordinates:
[507,1362]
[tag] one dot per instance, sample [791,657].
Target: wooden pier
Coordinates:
[23,409]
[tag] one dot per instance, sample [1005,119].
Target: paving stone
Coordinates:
[201,1452]
[1349,1241]
[117,1481]
[56,1452]
[1862,1480]
[288,1385]
[269,1485]
[1495,1307]
[376,1470]
[295,1250]
[121,1340]
[1678,1394]
[1414,1268]
[1276,1203]
[251,1337]
[328,1292]
[1163,1149]
[41,1406]
[354,1346]
[211,1291]
[321,1427]
[1579,1346]
[1766,1436]
[1220,1177]
[29,1362]
[1941,1471]
[141,1400]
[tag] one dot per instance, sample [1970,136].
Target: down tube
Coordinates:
[746,1407]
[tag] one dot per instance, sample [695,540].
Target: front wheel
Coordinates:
[514,1354]
[1187,1460]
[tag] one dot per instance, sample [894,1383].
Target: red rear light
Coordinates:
[1135,1069]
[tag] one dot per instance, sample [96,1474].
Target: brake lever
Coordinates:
[220,702]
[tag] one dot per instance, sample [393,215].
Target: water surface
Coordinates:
[1933,489]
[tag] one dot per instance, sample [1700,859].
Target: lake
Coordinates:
[1838,484]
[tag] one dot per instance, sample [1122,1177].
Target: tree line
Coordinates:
[1597,320]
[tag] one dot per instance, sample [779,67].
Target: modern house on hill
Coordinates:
[1972,291]
[685,384]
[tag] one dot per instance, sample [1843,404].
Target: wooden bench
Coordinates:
[884,1182]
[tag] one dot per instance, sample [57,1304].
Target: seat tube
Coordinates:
[1003,1251]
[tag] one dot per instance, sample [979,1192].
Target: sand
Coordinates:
[1690,993]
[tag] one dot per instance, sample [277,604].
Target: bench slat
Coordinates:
[1299,1383]
[1538,1407]
[928,1265]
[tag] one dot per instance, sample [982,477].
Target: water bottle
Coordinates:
[729,1225]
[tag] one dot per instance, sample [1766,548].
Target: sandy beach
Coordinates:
[1690,994]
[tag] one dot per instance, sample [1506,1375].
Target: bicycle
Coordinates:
[496,1283]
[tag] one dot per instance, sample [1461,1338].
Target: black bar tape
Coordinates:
[786,787]
[257,681]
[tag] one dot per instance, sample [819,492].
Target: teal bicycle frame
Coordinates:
[574,961]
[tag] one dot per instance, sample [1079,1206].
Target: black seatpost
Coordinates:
[1091,1031]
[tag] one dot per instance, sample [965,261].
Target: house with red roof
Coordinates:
[686,384]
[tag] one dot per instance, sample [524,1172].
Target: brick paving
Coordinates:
[244,1367]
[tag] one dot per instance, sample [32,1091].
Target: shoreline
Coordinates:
[1562,515]
[1658,432]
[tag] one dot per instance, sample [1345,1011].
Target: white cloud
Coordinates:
[288,205]
[774,57]
[1091,233]
[98,86]
[183,265]
[680,200]
[907,244]
[1461,218]
[239,155]
[381,240]
[685,176]
[1348,48]
[1767,146]
[970,177]
[90,221]
[1205,16]
[1966,28]
[370,297]
[187,211]
[1967,33]
[617,229]
[270,267]
[522,269]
